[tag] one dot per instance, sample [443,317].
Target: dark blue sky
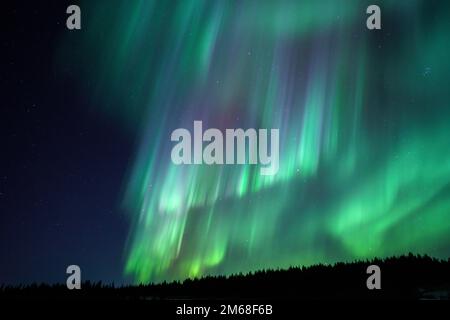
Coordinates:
[61,166]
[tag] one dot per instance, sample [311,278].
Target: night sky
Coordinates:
[86,116]
[62,165]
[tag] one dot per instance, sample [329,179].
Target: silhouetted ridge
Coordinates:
[404,277]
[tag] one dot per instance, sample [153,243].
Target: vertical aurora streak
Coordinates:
[364,121]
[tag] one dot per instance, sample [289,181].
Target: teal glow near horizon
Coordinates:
[363,118]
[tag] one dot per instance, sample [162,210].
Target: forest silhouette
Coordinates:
[404,277]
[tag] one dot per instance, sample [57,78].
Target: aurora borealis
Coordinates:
[363,118]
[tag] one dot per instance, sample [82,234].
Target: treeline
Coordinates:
[404,277]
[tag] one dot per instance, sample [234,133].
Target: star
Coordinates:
[427,71]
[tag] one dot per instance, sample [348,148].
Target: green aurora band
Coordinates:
[364,120]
